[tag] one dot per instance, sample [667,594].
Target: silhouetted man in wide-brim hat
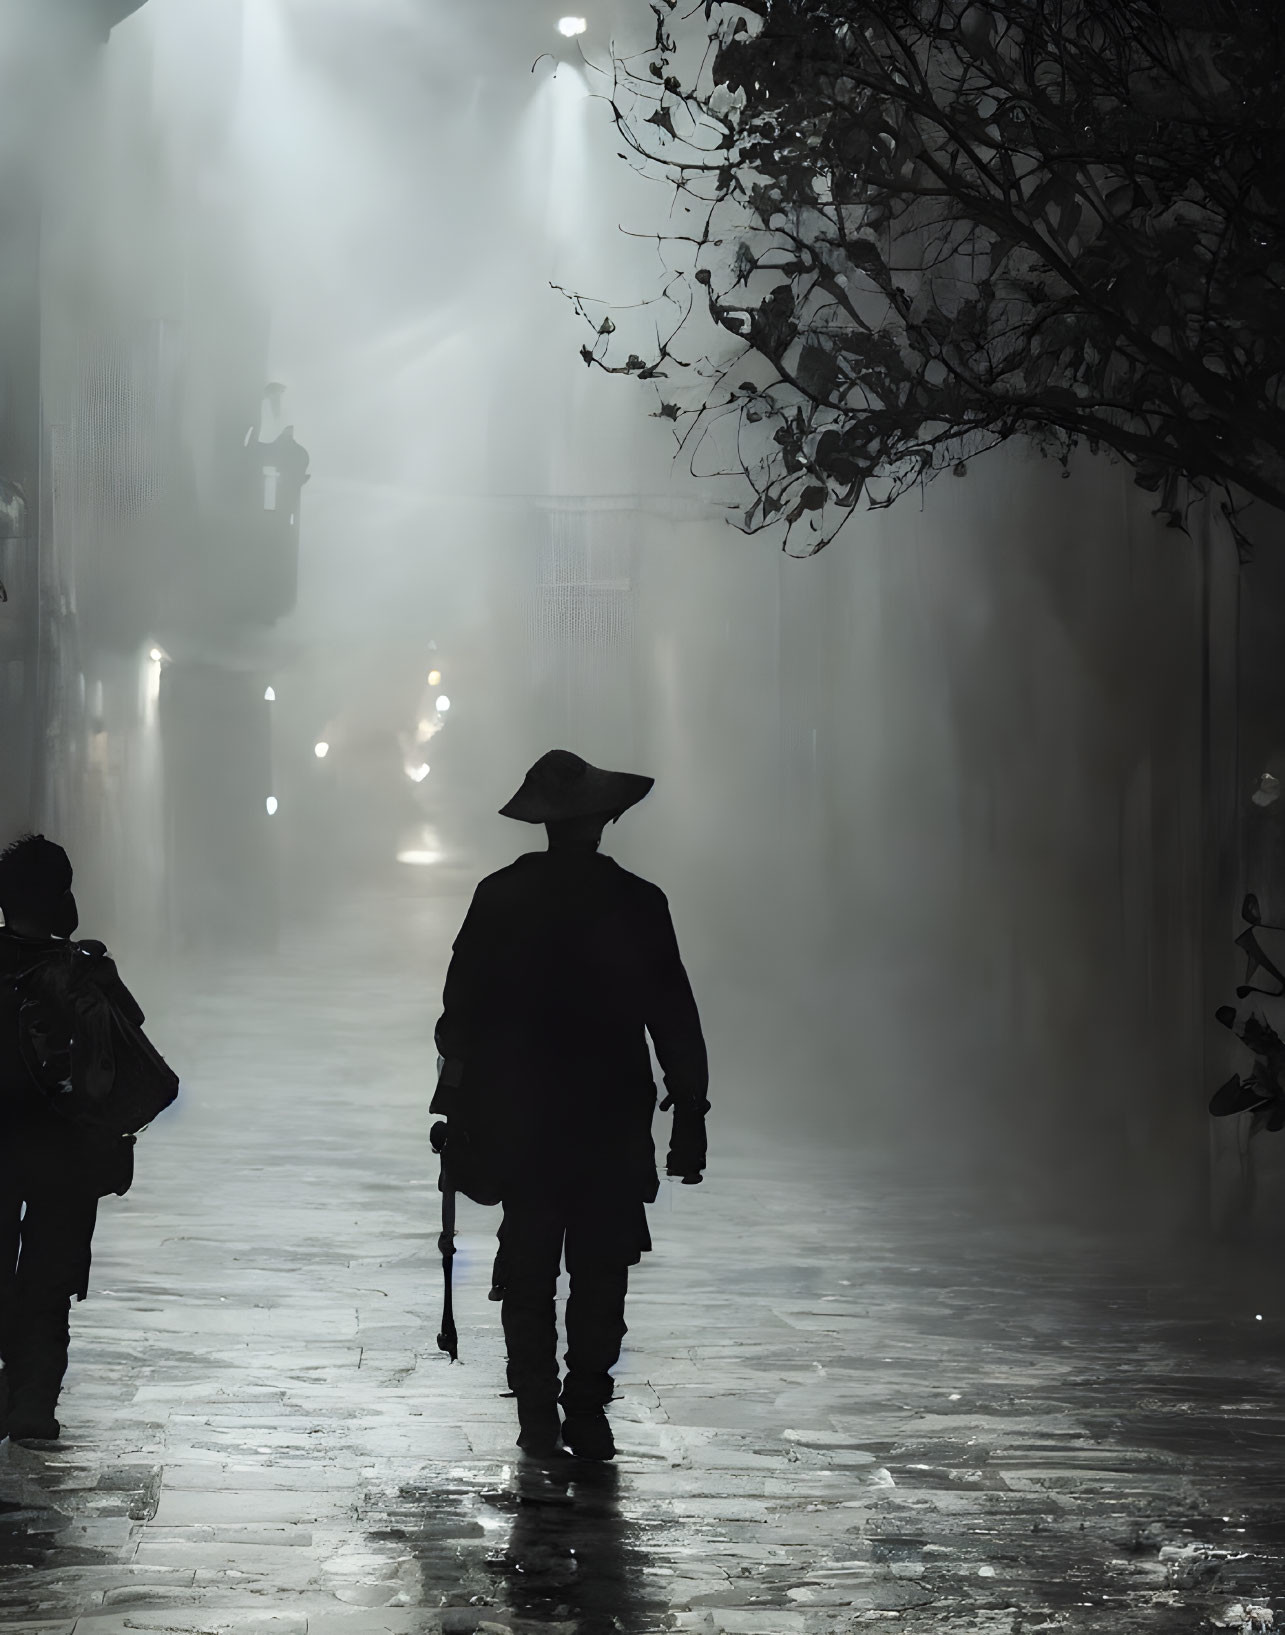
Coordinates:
[565,962]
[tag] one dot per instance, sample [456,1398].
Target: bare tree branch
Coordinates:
[932,225]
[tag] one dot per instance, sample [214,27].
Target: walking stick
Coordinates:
[447,1339]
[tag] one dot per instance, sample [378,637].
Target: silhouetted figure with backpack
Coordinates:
[564,963]
[77,1079]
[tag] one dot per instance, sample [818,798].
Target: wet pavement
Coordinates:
[844,1404]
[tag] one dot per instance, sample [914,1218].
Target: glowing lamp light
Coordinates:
[156,656]
[321,750]
[569,27]
[434,677]
[417,774]
[271,804]
[270,696]
[442,705]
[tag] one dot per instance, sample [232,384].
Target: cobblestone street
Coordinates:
[842,1404]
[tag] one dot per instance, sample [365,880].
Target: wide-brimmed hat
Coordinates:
[562,785]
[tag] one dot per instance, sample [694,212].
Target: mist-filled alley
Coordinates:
[311,428]
[845,1399]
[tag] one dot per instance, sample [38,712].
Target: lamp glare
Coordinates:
[569,27]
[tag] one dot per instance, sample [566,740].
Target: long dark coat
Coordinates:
[563,960]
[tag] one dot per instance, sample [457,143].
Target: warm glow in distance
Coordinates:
[434,677]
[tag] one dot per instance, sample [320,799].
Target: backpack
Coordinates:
[81,1039]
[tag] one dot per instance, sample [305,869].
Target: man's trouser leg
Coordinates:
[606,1234]
[598,1257]
[595,1331]
[53,1268]
[531,1244]
[10,1228]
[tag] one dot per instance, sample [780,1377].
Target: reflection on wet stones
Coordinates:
[552,1550]
[580,1562]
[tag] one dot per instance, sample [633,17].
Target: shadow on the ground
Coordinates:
[46,1504]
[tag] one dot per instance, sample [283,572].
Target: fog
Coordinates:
[928,806]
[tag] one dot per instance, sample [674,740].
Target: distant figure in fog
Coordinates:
[58,1001]
[563,960]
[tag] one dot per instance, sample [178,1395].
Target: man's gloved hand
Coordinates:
[687,1142]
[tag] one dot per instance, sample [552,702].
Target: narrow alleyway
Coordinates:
[843,1404]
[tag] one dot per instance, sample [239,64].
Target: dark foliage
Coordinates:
[1261,1092]
[932,225]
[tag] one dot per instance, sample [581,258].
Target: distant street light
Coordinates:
[321,750]
[571,26]
[271,804]
[270,695]
[442,705]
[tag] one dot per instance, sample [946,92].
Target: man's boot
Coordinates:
[539,1427]
[587,1434]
